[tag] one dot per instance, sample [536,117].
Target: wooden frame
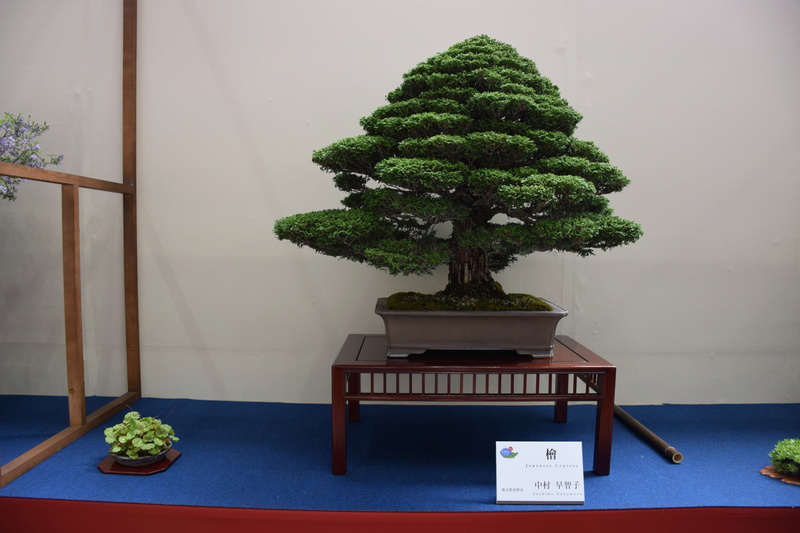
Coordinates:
[79,422]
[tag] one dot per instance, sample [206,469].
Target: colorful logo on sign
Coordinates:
[508,453]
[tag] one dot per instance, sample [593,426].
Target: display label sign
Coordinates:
[539,472]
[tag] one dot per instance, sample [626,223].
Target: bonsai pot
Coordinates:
[526,332]
[142,460]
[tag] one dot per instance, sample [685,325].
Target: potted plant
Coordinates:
[472,164]
[785,459]
[139,441]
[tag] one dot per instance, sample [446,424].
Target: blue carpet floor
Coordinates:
[404,457]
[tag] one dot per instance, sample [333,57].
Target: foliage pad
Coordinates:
[471,164]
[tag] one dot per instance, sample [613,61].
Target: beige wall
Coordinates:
[695,100]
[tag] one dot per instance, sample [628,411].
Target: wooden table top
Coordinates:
[368,352]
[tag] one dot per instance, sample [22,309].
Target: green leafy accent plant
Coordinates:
[472,164]
[136,436]
[786,457]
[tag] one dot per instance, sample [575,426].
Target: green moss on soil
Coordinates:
[415,301]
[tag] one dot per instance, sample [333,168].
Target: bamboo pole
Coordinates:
[669,452]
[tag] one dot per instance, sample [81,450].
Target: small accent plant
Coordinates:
[136,436]
[18,145]
[786,457]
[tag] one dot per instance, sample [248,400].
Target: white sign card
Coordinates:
[539,472]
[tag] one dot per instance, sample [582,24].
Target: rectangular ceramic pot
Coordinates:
[526,332]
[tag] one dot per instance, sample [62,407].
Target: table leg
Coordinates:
[562,383]
[604,425]
[354,406]
[339,423]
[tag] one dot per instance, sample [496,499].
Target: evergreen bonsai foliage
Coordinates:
[472,164]
[786,457]
[136,436]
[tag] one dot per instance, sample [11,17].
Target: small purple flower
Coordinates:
[18,146]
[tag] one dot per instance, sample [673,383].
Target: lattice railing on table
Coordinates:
[499,384]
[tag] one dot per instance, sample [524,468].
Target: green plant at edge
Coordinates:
[786,457]
[136,436]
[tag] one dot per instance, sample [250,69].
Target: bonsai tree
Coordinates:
[472,164]
[137,437]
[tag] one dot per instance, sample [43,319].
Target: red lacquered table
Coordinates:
[363,372]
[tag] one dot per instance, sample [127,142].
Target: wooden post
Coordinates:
[71,235]
[129,53]
[130,241]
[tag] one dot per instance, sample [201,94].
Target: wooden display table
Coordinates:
[362,372]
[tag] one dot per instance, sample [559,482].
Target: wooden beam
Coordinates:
[18,466]
[52,176]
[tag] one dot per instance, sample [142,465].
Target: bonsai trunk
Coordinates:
[469,274]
